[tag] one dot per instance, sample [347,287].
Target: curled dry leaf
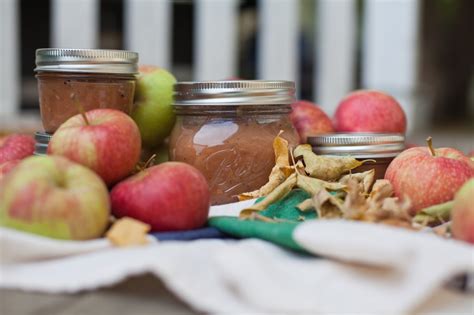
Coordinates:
[298,167]
[277,194]
[279,173]
[313,185]
[325,167]
[128,232]
[380,206]
[355,204]
[364,179]
[434,215]
[305,205]
[382,189]
[326,205]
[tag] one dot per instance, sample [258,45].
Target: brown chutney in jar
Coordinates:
[226,130]
[382,148]
[71,79]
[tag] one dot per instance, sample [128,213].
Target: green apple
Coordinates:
[54,197]
[153,111]
[462,214]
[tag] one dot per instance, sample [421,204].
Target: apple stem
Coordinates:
[82,111]
[429,140]
[150,161]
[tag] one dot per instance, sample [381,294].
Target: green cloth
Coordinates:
[280,233]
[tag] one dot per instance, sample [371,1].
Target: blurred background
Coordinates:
[420,51]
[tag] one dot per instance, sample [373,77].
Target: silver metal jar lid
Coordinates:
[239,92]
[358,145]
[86,60]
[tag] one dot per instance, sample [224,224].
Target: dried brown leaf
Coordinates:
[306,205]
[365,179]
[277,194]
[279,173]
[128,232]
[325,167]
[355,204]
[382,189]
[313,185]
[327,206]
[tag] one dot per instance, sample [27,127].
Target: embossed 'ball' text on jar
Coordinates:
[226,130]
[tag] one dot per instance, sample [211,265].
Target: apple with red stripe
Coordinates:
[429,176]
[54,197]
[16,147]
[105,140]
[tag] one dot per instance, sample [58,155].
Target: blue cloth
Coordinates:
[206,232]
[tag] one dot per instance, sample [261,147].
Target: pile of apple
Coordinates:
[90,172]
[425,175]
[91,168]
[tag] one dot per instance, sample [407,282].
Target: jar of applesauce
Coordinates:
[226,130]
[380,148]
[71,79]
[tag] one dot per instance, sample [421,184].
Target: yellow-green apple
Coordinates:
[429,176]
[105,140]
[52,196]
[6,167]
[462,213]
[16,146]
[309,119]
[153,111]
[369,111]
[170,196]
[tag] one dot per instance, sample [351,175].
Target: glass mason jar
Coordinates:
[380,147]
[69,79]
[226,130]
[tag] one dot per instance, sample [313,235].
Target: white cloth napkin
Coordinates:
[372,270]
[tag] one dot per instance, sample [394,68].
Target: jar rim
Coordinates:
[362,145]
[86,60]
[234,92]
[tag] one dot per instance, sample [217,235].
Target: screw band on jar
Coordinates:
[242,92]
[86,60]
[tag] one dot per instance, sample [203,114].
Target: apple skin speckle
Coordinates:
[428,180]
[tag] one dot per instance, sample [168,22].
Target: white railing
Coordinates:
[388,51]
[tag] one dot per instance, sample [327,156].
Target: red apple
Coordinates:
[369,111]
[169,196]
[107,141]
[429,176]
[462,214]
[52,196]
[6,167]
[309,119]
[16,146]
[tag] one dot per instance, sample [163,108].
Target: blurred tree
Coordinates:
[447,57]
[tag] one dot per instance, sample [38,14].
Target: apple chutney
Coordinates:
[381,148]
[226,130]
[70,80]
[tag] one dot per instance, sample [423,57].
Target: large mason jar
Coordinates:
[226,130]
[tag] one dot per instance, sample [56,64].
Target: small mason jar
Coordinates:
[382,148]
[226,130]
[70,79]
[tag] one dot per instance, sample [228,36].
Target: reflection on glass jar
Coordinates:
[231,144]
